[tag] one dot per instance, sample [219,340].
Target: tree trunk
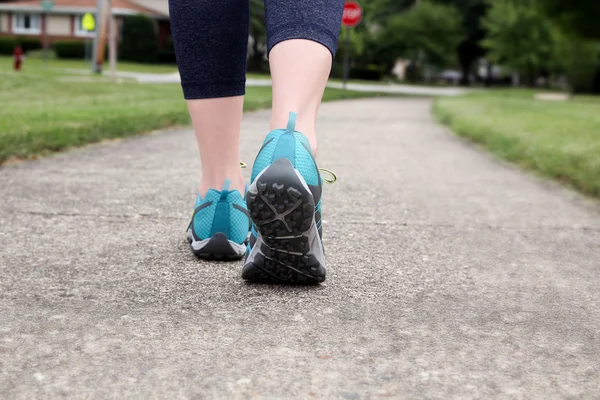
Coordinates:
[466,71]
[255,62]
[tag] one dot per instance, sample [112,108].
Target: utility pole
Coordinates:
[100,39]
[112,42]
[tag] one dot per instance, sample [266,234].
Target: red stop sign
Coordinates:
[352,14]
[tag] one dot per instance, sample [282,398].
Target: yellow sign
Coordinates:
[89,22]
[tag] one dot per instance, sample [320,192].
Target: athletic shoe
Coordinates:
[219,226]
[284,201]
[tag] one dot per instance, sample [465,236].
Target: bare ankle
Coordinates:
[236,183]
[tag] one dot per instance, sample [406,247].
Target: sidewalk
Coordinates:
[361,87]
[451,275]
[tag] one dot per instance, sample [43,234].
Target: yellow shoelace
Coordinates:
[328,176]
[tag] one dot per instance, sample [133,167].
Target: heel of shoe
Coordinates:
[288,248]
[218,248]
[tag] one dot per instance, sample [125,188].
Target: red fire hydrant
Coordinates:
[18,57]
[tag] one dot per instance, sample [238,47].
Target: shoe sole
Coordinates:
[217,248]
[288,248]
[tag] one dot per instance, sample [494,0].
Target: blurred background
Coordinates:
[518,76]
[546,43]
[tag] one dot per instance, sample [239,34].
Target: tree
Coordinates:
[520,37]
[578,17]
[470,50]
[377,12]
[258,35]
[427,33]
[579,60]
[140,42]
[579,33]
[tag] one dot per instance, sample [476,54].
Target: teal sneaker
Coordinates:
[220,225]
[284,201]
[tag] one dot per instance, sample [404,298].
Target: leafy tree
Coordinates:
[578,17]
[427,33]
[470,50]
[520,37]
[378,11]
[259,36]
[579,59]
[139,43]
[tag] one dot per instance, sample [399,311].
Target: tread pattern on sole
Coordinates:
[283,211]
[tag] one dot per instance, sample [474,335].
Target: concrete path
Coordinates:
[452,275]
[360,87]
[411,90]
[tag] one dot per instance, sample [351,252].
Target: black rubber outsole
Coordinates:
[217,249]
[283,211]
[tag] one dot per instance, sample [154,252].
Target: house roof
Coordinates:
[159,6]
[155,8]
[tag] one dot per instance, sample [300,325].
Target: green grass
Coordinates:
[34,62]
[557,139]
[44,111]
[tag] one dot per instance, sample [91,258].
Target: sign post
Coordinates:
[88,22]
[351,18]
[47,6]
[103,8]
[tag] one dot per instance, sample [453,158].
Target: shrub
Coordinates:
[140,43]
[69,49]
[167,54]
[28,44]
[7,45]
[368,73]
[579,59]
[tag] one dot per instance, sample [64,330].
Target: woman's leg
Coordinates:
[303,37]
[211,39]
[284,199]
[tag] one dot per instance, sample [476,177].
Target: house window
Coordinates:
[28,24]
[79,30]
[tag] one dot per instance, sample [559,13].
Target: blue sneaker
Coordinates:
[284,201]
[219,226]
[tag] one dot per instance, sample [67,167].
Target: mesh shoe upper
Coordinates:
[294,146]
[221,211]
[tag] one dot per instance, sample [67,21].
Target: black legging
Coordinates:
[211,38]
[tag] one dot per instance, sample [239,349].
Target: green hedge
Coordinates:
[166,55]
[7,44]
[140,42]
[69,49]
[73,49]
[367,73]
[28,44]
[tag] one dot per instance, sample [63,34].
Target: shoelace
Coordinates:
[328,176]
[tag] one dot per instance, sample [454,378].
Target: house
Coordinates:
[27,18]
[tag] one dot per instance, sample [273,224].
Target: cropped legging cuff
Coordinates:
[211,38]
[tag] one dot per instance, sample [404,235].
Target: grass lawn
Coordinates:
[35,63]
[557,139]
[43,111]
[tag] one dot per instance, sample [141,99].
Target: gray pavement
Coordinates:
[414,90]
[452,275]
